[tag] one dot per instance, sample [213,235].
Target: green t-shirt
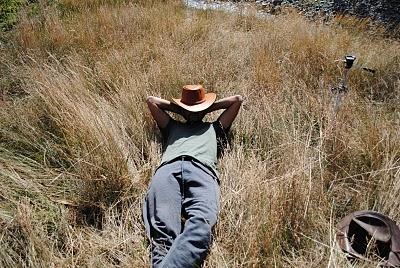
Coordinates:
[203,141]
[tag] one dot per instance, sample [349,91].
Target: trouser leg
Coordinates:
[201,205]
[162,211]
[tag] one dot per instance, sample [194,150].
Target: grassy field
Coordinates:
[78,146]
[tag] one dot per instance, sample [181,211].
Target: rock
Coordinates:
[386,11]
[276,2]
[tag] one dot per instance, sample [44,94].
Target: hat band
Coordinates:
[193,103]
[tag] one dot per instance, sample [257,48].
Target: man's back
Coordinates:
[198,140]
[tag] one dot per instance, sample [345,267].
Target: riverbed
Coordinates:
[231,7]
[386,12]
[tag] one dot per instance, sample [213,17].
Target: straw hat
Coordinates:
[195,99]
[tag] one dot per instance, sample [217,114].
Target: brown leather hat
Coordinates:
[369,232]
[195,99]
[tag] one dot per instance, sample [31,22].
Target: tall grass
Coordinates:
[78,147]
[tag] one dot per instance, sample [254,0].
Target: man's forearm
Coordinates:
[225,103]
[164,105]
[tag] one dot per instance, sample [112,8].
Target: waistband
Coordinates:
[196,162]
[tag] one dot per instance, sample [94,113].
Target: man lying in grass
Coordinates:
[182,202]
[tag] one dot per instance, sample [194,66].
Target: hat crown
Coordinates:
[365,233]
[193,94]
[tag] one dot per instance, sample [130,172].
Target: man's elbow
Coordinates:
[150,100]
[238,99]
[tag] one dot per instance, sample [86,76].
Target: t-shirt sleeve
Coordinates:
[222,137]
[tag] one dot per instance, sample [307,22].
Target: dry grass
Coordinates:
[78,147]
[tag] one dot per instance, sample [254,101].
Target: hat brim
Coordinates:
[209,100]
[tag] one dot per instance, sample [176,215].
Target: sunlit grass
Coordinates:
[78,147]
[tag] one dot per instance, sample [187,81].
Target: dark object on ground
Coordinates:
[349,60]
[369,234]
[369,70]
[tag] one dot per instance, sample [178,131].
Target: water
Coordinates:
[240,8]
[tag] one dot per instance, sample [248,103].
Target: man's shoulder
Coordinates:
[185,126]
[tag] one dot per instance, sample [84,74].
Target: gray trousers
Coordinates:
[180,208]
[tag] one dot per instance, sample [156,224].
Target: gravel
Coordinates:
[386,11]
